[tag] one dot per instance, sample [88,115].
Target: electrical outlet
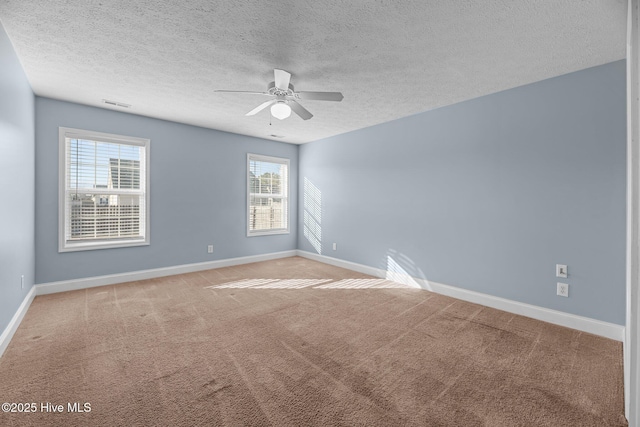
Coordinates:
[22,282]
[210,249]
[335,246]
[563,289]
[561,271]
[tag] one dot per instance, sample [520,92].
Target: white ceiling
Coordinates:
[389,58]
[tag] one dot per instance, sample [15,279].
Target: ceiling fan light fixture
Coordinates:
[280,110]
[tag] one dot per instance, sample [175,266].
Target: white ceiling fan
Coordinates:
[284,97]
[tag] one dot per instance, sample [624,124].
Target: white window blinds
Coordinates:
[268,195]
[105,194]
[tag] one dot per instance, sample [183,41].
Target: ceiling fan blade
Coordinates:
[321,96]
[261,107]
[282,79]
[300,110]
[243,91]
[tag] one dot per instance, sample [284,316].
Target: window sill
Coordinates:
[90,246]
[267,232]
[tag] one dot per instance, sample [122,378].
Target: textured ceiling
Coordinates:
[389,58]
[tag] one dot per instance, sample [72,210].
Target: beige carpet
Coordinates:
[293,342]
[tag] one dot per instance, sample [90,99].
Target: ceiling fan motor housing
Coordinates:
[273,90]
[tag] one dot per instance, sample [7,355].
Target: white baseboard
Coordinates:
[111,279]
[584,324]
[360,268]
[12,327]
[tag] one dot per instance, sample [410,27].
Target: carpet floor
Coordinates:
[293,342]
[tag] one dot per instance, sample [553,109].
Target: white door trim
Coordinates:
[632,330]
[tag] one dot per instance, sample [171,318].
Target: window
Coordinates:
[103,190]
[268,195]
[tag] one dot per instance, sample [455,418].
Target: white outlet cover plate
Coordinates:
[563,289]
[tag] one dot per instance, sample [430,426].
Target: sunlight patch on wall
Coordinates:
[398,274]
[312,215]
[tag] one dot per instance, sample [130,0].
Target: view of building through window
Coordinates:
[96,166]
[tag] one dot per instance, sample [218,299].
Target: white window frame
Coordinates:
[285,196]
[65,133]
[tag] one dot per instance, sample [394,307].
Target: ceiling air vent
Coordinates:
[116,103]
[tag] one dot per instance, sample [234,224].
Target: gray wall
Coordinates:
[17,178]
[198,194]
[489,194]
